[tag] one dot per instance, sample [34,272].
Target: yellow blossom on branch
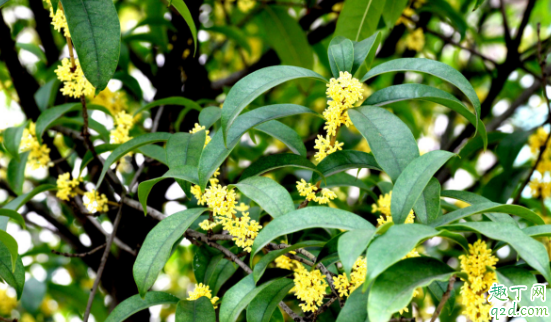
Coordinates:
[285,262]
[123,123]
[324,147]
[66,186]
[244,231]
[357,277]
[75,83]
[114,102]
[95,202]
[310,286]
[58,19]
[7,302]
[415,40]
[39,154]
[203,290]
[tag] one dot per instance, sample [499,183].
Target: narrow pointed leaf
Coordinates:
[266,301]
[473,199]
[351,245]
[239,296]
[16,173]
[345,160]
[209,115]
[285,134]
[359,19]
[13,215]
[427,208]
[275,161]
[365,50]
[268,194]
[154,152]
[174,100]
[182,8]
[355,307]
[341,55]
[50,115]
[200,310]
[14,278]
[12,139]
[393,10]
[135,303]
[11,245]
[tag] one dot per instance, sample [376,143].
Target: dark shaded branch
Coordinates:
[444,299]
[44,31]
[79,254]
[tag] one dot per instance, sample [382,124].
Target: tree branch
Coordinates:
[444,299]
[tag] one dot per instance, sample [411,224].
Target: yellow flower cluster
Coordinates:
[357,277]
[7,302]
[244,231]
[39,155]
[383,206]
[284,262]
[408,13]
[58,19]
[536,142]
[123,123]
[310,286]
[343,92]
[203,290]
[309,191]
[75,83]
[480,279]
[245,5]
[415,40]
[95,202]
[66,186]
[198,128]
[539,188]
[114,102]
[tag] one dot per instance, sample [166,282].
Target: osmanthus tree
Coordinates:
[295,138]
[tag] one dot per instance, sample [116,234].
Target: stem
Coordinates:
[445,298]
[79,254]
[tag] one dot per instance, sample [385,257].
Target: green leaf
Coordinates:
[11,245]
[509,148]
[96,35]
[45,96]
[532,231]
[351,245]
[50,115]
[234,33]
[285,134]
[155,152]
[263,263]
[341,55]
[488,207]
[532,251]
[14,278]
[34,295]
[239,296]
[422,92]
[134,143]
[393,289]
[275,161]
[286,37]
[16,173]
[74,296]
[174,100]
[359,19]
[130,83]
[13,215]
[268,194]
[445,10]
[158,244]
[412,181]
[355,307]
[12,139]
[182,8]
[427,208]
[200,310]
[478,4]
[437,290]
[473,199]
[253,85]
[3,2]
[185,149]
[266,301]
[340,161]
[393,10]
[135,303]
[389,138]
[33,49]
[218,271]
[365,50]
[88,156]
[209,115]
[216,152]
[186,173]
[309,217]
[18,202]
[344,180]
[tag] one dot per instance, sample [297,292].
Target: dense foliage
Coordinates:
[296,160]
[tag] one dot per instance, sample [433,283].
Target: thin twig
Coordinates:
[79,254]
[103,261]
[7,320]
[444,299]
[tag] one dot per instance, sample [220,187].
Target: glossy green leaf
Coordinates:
[509,148]
[286,37]
[45,96]
[365,50]
[448,13]
[218,272]
[96,35]
[130,83]
[33,49]
[389,138]
[341,55]
[268,194]
[359,19]
[18,202]
[392,11]
[427,208]
[344,180]
[263,263]
[340,161]
[432,67]
[50,115]
[135,303]
[14,278]
[134,143]
[253,85]
[355,307]
[285,134]
[209,115]
[3,2]
[266,301]
[185,149]
[488,207]
[532,251]
[182,8]
[394,288]
[34,292]
[275,161]
[233,33]
[473,199]
[238,297]
[216,152]
[351,245]
[422,92]
[11,245]
[12,139]
[200,310]
[308,217]
[412,181]
[16,173]
[157,247]
[13,215]
[88,156]
[478,4]
[175,100]
[154,152]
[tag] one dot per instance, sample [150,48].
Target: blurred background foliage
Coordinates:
[493,46]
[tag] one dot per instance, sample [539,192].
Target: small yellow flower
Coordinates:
[123,123]
[66,186]
[39,155]
[7,302]
[198,128]
[58,19]
[245,5]
[114,102]
[326,196]
[75,83]
[95,202]
[357,277]
[324,147]
[203,290]
[415,40]
[310,286]
[284,262]
[405,18]
[383,206]
[306,189]
[244,230]
[537,140]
